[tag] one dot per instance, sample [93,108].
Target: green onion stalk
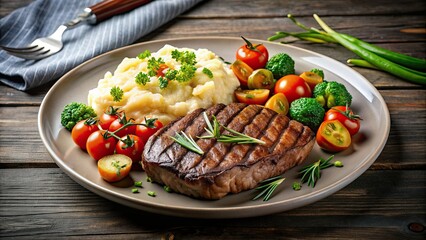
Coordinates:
[406,67]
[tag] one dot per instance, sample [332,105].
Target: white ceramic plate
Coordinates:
[75,85]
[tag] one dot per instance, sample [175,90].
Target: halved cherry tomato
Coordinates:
[346,116]
[333,136]
[255,55]
[161,68]
[242,71]
[119,123]
[261,79]
[113,168]
[99,144]
[108,117]
[278,103]
[311,78]
[131,146]
[293,87]
[151,126]
[82,130]
[256,96]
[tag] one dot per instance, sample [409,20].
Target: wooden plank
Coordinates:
[45,203]
[403,149]
[267,8]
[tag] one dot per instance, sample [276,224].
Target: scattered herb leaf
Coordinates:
[338,164]
[138,184]
[296,186]
[312,172]
[151,193]
[144,54]
[188,142]
[135,190]
[208,72]
[142,78]
[167,189]
[117,166]
[269,185]
[116,93]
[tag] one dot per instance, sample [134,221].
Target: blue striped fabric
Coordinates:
[42,17]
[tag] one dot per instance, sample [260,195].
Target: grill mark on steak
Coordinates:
[216,153]
[238,153]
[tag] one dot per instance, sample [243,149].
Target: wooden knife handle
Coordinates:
[109,8]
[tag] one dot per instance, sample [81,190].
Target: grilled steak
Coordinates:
[226,168]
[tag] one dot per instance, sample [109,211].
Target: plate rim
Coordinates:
[220,212]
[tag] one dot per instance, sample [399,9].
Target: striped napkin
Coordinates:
[42,17]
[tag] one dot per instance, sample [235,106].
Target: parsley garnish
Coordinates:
[142,78]
[163,82]
[185,73]
[144,54]
[187,57]
[116,93]
[208,72]
[154,65]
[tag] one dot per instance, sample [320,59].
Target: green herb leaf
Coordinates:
[154,65]
[144,54]
[187,57]
[208,72]
[138,184]
[116,93]
[117,166]
[296,186]
[187,142]
[135,190]
[151,193]
[312,172]
[142,78]
[163,82]
[268,187]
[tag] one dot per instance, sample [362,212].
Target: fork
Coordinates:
[47,46]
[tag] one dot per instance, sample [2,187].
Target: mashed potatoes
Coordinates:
[177,99]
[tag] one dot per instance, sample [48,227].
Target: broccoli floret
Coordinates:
[330,94]
[307,111]
[318,71]
[280,65]
[75,112]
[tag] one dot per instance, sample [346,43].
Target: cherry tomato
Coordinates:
[161,68]
[131,146]
[255,56]
[113,168]
[100,144]
[261,78]
[82,130]
[109,116]
[332,136]
[119,123]
[278,103]
[242,71]
[293,87]
[151,126]
[256,96]
[312,79]
[346,116]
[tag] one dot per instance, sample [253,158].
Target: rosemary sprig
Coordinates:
[213,128]
[269,185]
[187,142]
[312,172]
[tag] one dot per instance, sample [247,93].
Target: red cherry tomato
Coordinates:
[332,136]
[131,146]
[82,130]
[293,87]
[254,55]
[256,96]
[346,116]
[109,116]
[100,144]
[151,126]
[119,123]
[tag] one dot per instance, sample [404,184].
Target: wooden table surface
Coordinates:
[39,201]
